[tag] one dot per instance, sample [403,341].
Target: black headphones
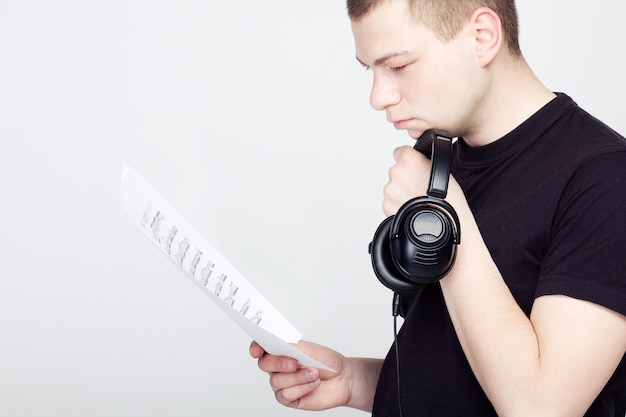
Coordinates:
[417,246]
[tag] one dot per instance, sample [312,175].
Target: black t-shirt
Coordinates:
[550,201]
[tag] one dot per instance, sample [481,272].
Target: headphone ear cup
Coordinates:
[382,261]
[424,234]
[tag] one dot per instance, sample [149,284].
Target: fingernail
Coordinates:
[310,375]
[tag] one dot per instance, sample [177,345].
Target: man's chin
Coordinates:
[415,134]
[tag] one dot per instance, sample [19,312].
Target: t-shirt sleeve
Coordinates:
[586,258]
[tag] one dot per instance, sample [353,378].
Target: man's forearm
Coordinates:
[529,366]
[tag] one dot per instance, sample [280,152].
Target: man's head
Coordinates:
[447,17]
[453,77]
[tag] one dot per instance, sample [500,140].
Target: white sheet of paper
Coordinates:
[208,269]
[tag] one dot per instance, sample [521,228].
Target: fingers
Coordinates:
[256,351]
[407,179]
[402,152]
[290,388]
[270,363]
[289,382]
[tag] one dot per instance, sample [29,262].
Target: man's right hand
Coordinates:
[306,388]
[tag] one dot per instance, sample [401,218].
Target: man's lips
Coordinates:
[401,124]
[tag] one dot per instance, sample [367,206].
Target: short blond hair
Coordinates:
[447,17]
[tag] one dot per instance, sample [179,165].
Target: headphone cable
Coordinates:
[395,312]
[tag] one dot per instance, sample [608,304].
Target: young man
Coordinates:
[531,320]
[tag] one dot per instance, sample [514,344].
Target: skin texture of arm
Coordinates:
[525,366]
[353,385]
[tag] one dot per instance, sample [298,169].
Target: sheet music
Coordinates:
[208,269]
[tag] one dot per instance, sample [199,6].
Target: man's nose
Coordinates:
[383,94]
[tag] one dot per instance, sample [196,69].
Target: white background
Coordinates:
[252,118]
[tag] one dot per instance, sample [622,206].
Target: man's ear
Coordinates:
[488,33]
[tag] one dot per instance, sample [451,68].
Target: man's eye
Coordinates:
[398,68]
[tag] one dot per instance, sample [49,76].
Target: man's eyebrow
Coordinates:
[383,59]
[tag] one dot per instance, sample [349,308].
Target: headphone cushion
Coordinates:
[382,261]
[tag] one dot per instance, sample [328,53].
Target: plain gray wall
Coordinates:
[252,118]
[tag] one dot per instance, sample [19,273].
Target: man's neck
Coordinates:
[515,95]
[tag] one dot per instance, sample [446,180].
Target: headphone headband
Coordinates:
[437,145]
